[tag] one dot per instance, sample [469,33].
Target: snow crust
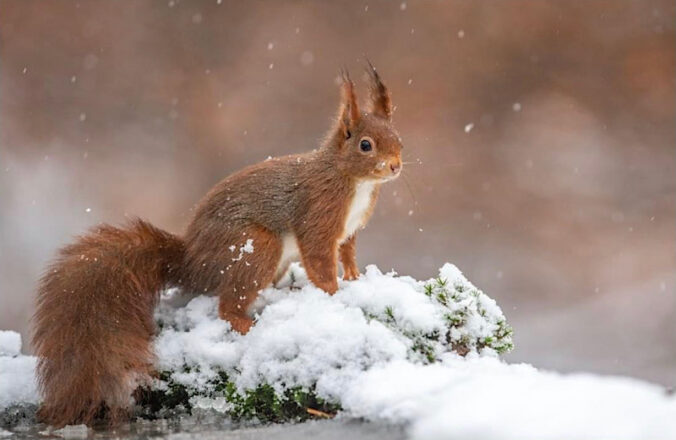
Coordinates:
[361,348]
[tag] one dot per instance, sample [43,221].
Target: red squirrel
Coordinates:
[94,317]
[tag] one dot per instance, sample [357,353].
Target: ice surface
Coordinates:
[72,431]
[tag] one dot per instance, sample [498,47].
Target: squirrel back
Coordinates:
[94,317]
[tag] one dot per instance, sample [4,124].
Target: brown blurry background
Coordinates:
[559,201]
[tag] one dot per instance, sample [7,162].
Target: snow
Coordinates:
[385,347]
[10,343]
[246,248]
[304,337]
[17,372]
[484,398]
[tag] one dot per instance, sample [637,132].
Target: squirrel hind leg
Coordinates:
[252,268]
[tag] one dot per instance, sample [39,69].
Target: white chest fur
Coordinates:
[361,201]
[290,254]
[359,205]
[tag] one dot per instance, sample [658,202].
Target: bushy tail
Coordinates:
[94,320]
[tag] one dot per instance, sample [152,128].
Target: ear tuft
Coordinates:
[349,109]
[381,103]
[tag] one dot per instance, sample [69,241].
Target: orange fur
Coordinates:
[349,259]
[94,320]
[94,317]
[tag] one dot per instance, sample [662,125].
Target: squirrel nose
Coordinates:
[395,167]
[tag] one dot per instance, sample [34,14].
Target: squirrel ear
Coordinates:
[349,110]
[381,103]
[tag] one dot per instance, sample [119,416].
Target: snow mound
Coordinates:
[387,348]
[307,341]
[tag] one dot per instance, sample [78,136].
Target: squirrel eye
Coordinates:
[365,145]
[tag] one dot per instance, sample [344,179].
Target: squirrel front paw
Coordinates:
[241,324]
[328,287]
[350,273]
[239,321]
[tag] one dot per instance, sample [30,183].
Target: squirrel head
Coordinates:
[365,145]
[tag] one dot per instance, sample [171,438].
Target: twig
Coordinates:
[317,413]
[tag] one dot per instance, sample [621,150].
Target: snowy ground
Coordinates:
[385,348]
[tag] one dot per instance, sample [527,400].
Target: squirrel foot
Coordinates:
[350,273]
[240,323]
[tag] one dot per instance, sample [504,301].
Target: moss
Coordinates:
[389,313]
[463,301]
[425,350]
[156,402]
[263,403]
[18,414]
[429,289]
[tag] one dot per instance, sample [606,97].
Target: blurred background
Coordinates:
[541,140]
